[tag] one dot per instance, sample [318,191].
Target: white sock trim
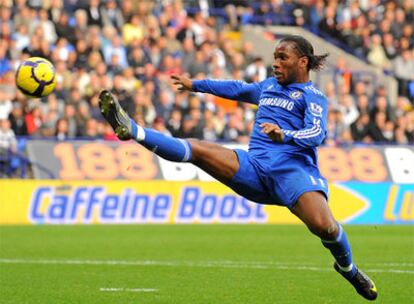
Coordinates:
[347,268]
[187,150]
[140,133]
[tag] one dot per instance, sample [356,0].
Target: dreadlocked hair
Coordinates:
[305,48]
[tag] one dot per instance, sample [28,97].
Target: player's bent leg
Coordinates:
[220,162]
[312,208]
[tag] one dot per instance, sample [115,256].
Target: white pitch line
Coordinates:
[201,264]
[392,264]
[128,289]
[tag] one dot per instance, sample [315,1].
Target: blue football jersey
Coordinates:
[299,109]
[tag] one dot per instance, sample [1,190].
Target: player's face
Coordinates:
[287,64]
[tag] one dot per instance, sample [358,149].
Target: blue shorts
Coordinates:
[279,179]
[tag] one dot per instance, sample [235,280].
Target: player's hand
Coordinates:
[183,83]
[273,131]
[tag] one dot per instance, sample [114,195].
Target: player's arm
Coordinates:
[231,89]
[311,135]
[314,131]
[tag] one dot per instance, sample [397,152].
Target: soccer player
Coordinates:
[281,166]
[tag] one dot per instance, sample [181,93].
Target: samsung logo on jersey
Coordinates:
[277,102]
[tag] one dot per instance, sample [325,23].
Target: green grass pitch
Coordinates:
[197,264]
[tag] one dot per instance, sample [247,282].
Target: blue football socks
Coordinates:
[341,250]
[170,148]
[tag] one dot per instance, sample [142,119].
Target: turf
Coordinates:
[196,264]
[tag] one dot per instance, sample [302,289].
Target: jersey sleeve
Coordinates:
[314,131]
[231,89]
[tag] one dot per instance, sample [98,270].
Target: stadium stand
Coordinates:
[134,46]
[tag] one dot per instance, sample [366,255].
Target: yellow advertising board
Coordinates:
[123,202]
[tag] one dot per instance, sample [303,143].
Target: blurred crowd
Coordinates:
[132,47]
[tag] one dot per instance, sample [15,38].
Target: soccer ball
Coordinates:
[36,77]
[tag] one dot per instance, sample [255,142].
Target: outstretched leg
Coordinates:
[219,162]
[312,208]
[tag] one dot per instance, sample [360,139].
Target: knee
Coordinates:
[325,229]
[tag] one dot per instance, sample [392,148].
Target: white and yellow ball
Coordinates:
[36,77]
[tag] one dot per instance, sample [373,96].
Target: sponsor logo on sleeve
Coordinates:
[315,109]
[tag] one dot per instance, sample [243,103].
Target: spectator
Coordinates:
[6,105]
[25,16]
[144,107]
[402,106]
[404,71]
[55,10]
[91,129]
[234,130]
[82,53]
[388,131]
[133,30]
[159,125]
[81,24]
[8,146]
[62,129]
[409,126]
[94,13]
[407,33]
[381,105]
[17,121]
[336,128]
[47,129]
[8,141]
[173,45]
[198,65]
[174,122]
[188,127]
[62,50]
[64,29]
[378,127]
[360,129]
[33,49]
[130,7]
[348,109]
[112,15]
[328,22]
[342,75]
[69,118]
[209,130]
[22,37]
[82,119]
[116,48]
[389,46]
[363,104]
[137,60]
[130,82]
[94,110]
[256,71]
[33,119]
[124,97]
[376,54]
[47,26]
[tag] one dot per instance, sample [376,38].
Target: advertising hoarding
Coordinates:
[125,202]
